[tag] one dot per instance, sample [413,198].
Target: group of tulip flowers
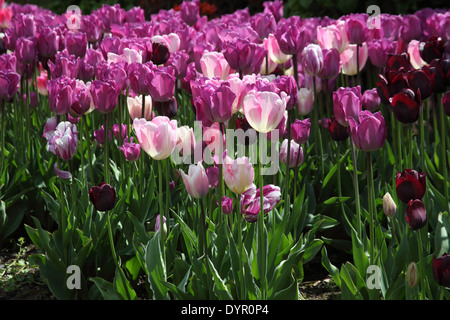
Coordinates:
[118,148]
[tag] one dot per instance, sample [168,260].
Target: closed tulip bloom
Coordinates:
[158,224]
[406,105]
[135,107]
[347,104]
[291,37]
[251,202]
[61,92]
[337,131]
[274,51]
[300,130]
[104,95]
[9,84]
[416,214]
[411,275]
[244,55]
[47,42]
[441,269]
[137,76]
[295,156]
[50,125]
[349,61]
[312,59]
[356,28]
[431,49]
[370,99]
[214,64]
[369,134]
[213,176]
[76,43]
[26,50]
[160,53]
[131,150]
[157,137]
[186,140]
[264,109]
[288,85]
[410,185]
[379,49]
[196,181]
[227,205]
[64,65]
[103,197]
[82,100]
[161,86]
[238,174]
[331,64]
[218,101]
[63,141]
[421,80]
[190,12]
[389,206]
[333,36]
[305,101]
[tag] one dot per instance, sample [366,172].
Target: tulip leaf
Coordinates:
[220,288]
[155,267]
[441,239]
[106,289]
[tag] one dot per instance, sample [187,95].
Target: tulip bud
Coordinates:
[158,224]
[196,181]
[416,214]
[103,197]
[227,205]
[411,275]
[441,270]
[389,206]
[131,150]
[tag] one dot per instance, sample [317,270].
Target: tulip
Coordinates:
[274,52]
[371,131]
[190,12]
[82,100]
[214,64]
[50,125]
[161,85]
[179,62]
[160,53]
[47,42]
[135,107]
[295,155]
[389,206]
[410,28]
[158,223]
[378,51]
[275,8]
[288,85]
[331,64]
[213,176]
[347,104]
[196,181]
[410,185]
[26,50]
[291,37]
[411,275]
[305,101]
[251,202]
[300,130]
[416,214]
[421,80]
[119,131]
[99,135]
[137,75]
[131,150]
[76,43]
[9,84]
[337,131]
[41,82]
[103,197]
[157,137]
[406,106]
[217,101]
[64,65]
[63,141]
[264,110]
[238,174]
[370,99]
[61,93]
[356,28]
[441,269]
[227,205]
[186,140]
[414,54]
[312,59]
[66,175]
[431,49]
[333,36]
[245,56]
[104,95]
[349,61]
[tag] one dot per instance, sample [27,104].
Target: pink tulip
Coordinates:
[348,59]
[238,174]
[157,137]
[214,65]
[305,101]
[186,140]
[369,134]
[274,51]
[135,107]
[370,99]
[333,36]
[251,201]
[264,109]
[300,130]
[295,154]
[312,59]
[414,54]
[347,104]
[196,181]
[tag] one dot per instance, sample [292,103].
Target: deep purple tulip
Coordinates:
[421,80]
[416,214]
[104,95]
[9,84]
[99,135]
[112,71]
[61,93]
[347,104]
[179,62]
[168,108]
[137,75]
[370,99]
[216,101]
[337,131]
[441,269]
[291,37]
[81,102]
[131,150]
[245,56]
[288,85]
[356,28]
[331,64]
[410,185]
[369,132]
[300,130]
[213,176]
[64,65]
[411,28]
[406,105]
[431,49]
[160,53]
[26,50]
[190,12]
[76,43]
[103,197]
[227,205]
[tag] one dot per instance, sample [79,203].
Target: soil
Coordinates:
[22,281]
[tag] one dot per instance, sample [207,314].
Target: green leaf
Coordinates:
[441,239]
[155,267]
[220,288]
[123,286]
[332,270]
[106,289]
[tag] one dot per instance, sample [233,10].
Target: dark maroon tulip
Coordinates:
[431,49]
[103,197]
[382,89]
[421,80]
[397,61]
[406,105]
[168,108]
[397,80]
[416,214]
[441,269]
[410,185]
[160,53]
[337,131]
[438,74]
[446,103]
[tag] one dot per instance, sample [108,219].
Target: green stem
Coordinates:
[443,160]
[106,155]
[356,186]
[288,158]
[371,207]
[3,129]
[317,134]
[160,200]
[85,127]
[238,225]
[399,159]
[261,235]
[421,264]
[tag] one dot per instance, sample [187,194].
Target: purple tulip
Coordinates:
[379,49]
[190,12]
[99,135]
[331,64]
[179,61]
[103,197]
[161,85]
[66,175]
[92,27]
[104,95]
[275,8]
[290,36]
[227,205]
[63,141]
[216,101]
[251,203]
[61,93]
[370,99]
[411,28]
[50,125]
[295,154]
[112,71]
[26,50]
[300,130]
[76,43]
[213,176]
[137,75]
[312,59]
[356,28]
[245,56]
[347,104]
[119,131]
[289,86]
[9,84]
[64,65]
[369,134]
[47,42]
[264,23]
[81,102]
[131,150]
